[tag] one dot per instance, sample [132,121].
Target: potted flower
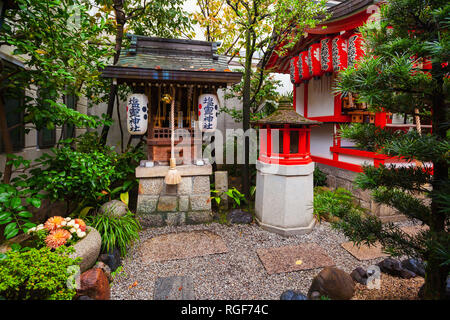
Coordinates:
[58,231]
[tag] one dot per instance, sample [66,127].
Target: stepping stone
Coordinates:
[294,258]
[413,230]
[184,245]
[174,288]
[364,252]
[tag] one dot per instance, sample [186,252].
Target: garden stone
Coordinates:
[333,283]
[293,295]
[94,284]
[85,298]
[111,259]
[239,216]
[360,275]
[174,288]
[394,268]
[106,269]
[414,265]
[88,249]
[114,208]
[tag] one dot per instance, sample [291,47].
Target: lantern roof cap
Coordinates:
[285,114]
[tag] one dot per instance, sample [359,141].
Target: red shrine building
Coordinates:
[313,65]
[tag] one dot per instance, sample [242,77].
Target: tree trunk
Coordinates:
[246,112]
[120,20]
[436,276]
[6,138]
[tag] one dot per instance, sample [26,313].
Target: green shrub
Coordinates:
[329,203]
[36,274]
[87,175]
[116,232]
[320,178]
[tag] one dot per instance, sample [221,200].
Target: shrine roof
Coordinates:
[172,60]
[285,114]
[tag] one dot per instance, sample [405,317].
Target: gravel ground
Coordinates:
[238,274]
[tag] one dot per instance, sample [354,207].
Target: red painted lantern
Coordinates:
[326,59]
[355,48]
[339,50]
[294,72]
[303,67]
[314,60]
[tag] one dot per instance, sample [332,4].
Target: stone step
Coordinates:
[174,288]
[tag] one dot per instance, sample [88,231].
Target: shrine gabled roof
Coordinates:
[160,59]
[285,114]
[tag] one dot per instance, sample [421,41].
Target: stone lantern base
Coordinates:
[284,198]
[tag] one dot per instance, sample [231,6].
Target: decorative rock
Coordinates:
[394,268]
[359,275]
[106,269]
[114,208]
[414,265]
[94,284]
[293,295]
[111,259]
[239,216]
[85,298]
[333,283]
[88,249]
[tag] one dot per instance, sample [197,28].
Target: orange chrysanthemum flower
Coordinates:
[57,238]
[53,223]
[81,223]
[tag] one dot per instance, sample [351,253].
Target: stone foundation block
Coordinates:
[196,217]
[168,203]
[200,202]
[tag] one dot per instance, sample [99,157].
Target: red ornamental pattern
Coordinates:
[355,48]
[303,66]
[339,51]
[314,60]
[326,60]
[294,72]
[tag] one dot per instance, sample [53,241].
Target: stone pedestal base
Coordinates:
[284,198]
[189,202]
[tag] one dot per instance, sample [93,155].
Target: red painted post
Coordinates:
[269,141]
[286,140]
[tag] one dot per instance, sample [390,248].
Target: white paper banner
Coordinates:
[137,114]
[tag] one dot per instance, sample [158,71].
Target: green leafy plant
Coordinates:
[320,178]
[16,201]
[36,274]
[86,175]
[116,232]
[329,204]
[233,193]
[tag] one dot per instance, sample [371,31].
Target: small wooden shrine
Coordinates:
[156,67]
[174,84]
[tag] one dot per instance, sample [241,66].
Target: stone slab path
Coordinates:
[174,288]
[294,258]
[184,245]
[364,252]
[223,262]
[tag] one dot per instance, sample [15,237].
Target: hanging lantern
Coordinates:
[339,51]
[303,67]
[137,114]
[314,60]
[355,48]
[326,59]
[294,72]
[208,108]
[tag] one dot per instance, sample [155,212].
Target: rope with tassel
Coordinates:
[173,176]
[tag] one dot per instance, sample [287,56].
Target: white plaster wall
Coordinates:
[322,140]
[320,97]
[355,160]
[299,99]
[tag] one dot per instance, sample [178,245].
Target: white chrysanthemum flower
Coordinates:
[73,230]
[40,227]
[81,234]
[68,219]
[31,230]
[76,226]
[64,223]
